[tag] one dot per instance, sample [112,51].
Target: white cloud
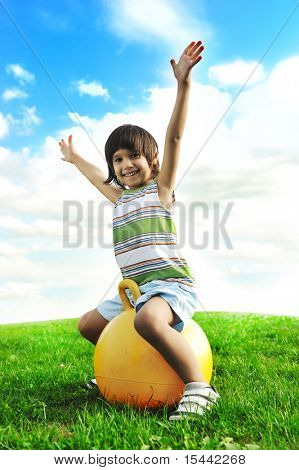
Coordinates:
[18,290]
[4,126]
[63,284]
[13,93]
[13,164]
[30,117]
[236,73]
[20,73]
[92,89]
[6,249]
[38,228]
[24,124]
[146,21]
[251,160]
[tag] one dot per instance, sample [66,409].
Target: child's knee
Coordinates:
[91,325]
[146,323]
[82,323]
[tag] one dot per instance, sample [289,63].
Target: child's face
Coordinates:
[126,162]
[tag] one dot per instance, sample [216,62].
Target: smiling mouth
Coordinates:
[133,173]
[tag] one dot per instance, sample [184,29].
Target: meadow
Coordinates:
[45,404]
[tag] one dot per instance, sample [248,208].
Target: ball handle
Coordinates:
[134,289]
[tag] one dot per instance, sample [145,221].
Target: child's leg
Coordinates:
[91,325]
[153,322]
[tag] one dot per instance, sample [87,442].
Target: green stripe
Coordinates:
[140,227]
[162,274]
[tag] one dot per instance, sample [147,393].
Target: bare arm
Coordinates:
[94,174]
[175,129]
[173,138]
[177,121]
[90,171]
[182,72]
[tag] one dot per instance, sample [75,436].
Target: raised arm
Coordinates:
[175,129]
[94,174]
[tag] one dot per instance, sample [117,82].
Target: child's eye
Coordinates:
[134,155]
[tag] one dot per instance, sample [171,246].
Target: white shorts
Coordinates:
[181,298]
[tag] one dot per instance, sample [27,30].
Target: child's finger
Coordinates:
[196,51]
[189,47]
[196,61]
[191,43]
[196,45]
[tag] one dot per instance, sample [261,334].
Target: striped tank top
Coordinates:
[145,240]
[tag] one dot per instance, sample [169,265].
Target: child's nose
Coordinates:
[128,164]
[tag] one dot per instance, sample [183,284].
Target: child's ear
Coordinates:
[155,164]
[155,159]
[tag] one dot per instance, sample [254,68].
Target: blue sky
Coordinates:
[111,62]
[75,41]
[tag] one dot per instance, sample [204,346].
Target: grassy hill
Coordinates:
[44,403]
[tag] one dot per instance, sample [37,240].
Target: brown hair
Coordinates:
[132,138]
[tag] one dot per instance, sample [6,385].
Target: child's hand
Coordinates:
[188,59]
[68,150]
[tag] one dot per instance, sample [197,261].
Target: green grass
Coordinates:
[44,404]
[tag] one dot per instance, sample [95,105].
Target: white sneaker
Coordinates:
[92,384]
[197,398]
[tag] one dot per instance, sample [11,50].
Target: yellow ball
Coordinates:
[129,370]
